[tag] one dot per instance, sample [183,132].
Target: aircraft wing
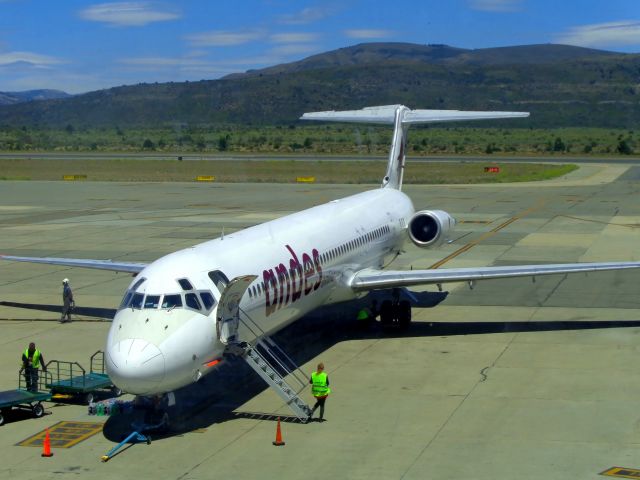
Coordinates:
[369,279]
[129,267]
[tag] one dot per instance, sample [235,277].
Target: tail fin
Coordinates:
[402,117]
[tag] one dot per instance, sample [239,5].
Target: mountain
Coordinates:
[560,85]
[10,98]
[376,53]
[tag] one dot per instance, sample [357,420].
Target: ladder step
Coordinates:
[270,375]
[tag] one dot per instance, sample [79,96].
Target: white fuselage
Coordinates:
[301,261]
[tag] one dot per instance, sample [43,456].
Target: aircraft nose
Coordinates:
[135,366]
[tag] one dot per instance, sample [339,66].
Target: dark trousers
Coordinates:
[31,378]
[319,403]
[66,311]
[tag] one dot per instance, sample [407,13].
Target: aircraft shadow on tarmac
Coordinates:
[220,396]
[97,312]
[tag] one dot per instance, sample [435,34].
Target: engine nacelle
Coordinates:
[430,228]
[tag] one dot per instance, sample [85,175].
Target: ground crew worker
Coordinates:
[366,315]
[31,360]
[67,300]
[320,390]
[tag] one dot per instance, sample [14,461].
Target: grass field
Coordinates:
[271,171]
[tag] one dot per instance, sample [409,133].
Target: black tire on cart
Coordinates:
[1,419]
[115,391]
[89,398]
[37,410]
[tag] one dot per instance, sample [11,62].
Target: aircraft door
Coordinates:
[228,314]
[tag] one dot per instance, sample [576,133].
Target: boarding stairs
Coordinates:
[265,357]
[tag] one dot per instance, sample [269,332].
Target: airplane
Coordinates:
[182,312]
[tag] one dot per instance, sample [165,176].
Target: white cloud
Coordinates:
[128,14]
[223,38]
[611,34]
[307,15]
[294,37]
[368,33]
[496,5]
[28,58]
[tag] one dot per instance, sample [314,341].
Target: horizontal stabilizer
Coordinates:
[386,115]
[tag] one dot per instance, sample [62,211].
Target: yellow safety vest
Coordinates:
[319,387]
[35,363]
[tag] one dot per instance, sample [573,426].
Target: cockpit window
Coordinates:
[137,284]
[136,302]
[185,284]
[208,300]
[192,301]
[151,301]
[126,299]
[219,279]
[172,301]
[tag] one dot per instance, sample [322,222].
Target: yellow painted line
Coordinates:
[64,434]
[488,234]
[205,178]
[74,177]
[621,472]
[305,179]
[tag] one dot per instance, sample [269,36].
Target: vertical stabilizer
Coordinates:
[395,166]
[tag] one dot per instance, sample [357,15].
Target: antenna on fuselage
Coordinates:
[222,236]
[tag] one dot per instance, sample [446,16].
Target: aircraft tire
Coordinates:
[386,313]
[404,313]
[1,419]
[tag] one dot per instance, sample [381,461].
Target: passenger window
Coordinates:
[172,301]
[192,301]
[152,301]
[136,302]
[185,284]
[208,300]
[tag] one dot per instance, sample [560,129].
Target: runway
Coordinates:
[512,378]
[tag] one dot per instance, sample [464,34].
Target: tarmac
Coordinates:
[510,379]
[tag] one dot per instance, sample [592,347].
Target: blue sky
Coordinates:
[79,46]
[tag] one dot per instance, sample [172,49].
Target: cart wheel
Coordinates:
[116,392]
[1,419]
[89,398]
[38,410]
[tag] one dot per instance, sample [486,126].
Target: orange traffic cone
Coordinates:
[278,441]
[46,446]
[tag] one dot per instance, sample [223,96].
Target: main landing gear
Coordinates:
[395,312]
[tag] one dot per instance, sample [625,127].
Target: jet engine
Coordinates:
[430,228]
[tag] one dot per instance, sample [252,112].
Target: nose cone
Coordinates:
[136,366]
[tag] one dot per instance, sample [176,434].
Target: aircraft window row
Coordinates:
[259,288]
[201,301]
[358,242]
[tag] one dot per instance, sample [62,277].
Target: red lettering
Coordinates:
[316,261]
[295,271]
[309,270]
[281,271]
[269,283]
